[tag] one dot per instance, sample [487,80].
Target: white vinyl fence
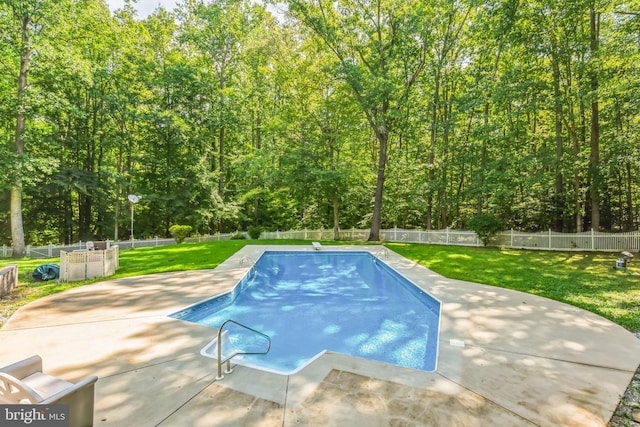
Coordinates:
[53,251]
[545,240]
[444,237]
[586,241]
[85,264]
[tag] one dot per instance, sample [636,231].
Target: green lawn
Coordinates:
[584,279]
[587,280]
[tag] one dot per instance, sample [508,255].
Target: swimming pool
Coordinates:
[311,302]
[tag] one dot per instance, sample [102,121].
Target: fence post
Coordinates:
[50,250]
[511,239]
[593,243]
[447,234]
[549,238]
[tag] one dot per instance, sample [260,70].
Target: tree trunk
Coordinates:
[594,167]
[628,223]
[383,137]
[559,191]
[221,163]
[432,148]
[17,228]
[483,160]
[336,226]
[577,181]
[582,202]
[442,191]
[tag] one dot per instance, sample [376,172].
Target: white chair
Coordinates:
[24,382]
[316,245]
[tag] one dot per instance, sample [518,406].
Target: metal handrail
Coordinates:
[228,359]
[247,258]
[382,251]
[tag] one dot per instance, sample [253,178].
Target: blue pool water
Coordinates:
[309,302]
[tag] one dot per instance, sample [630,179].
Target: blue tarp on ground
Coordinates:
[46,272]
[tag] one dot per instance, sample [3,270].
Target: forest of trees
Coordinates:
[228,114]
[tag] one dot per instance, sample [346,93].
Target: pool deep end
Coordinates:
[310,302]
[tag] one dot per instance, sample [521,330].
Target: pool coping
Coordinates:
[504,356]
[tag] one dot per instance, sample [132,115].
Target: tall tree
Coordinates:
[29,20]
[594,165]
[381,47]
[217,30]
[446,48]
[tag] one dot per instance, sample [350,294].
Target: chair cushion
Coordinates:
[46,385]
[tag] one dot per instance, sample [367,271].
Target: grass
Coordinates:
[587,280]
[584,279]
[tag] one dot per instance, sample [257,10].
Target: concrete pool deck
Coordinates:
[505,358]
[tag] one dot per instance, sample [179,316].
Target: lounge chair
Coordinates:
[24,382]
[316,245]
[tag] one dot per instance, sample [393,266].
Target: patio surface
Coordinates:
[505,359]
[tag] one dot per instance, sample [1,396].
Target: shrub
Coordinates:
[238,235]
[485,226]
[255,232]
[180,232]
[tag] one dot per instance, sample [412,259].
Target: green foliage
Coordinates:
[180,232]
[254,232]
[486,226]
[223,118]
[238,235]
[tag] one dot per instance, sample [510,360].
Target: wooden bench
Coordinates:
[8,279]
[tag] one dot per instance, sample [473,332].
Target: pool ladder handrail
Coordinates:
[382,251]
[228,359]
[248,259]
